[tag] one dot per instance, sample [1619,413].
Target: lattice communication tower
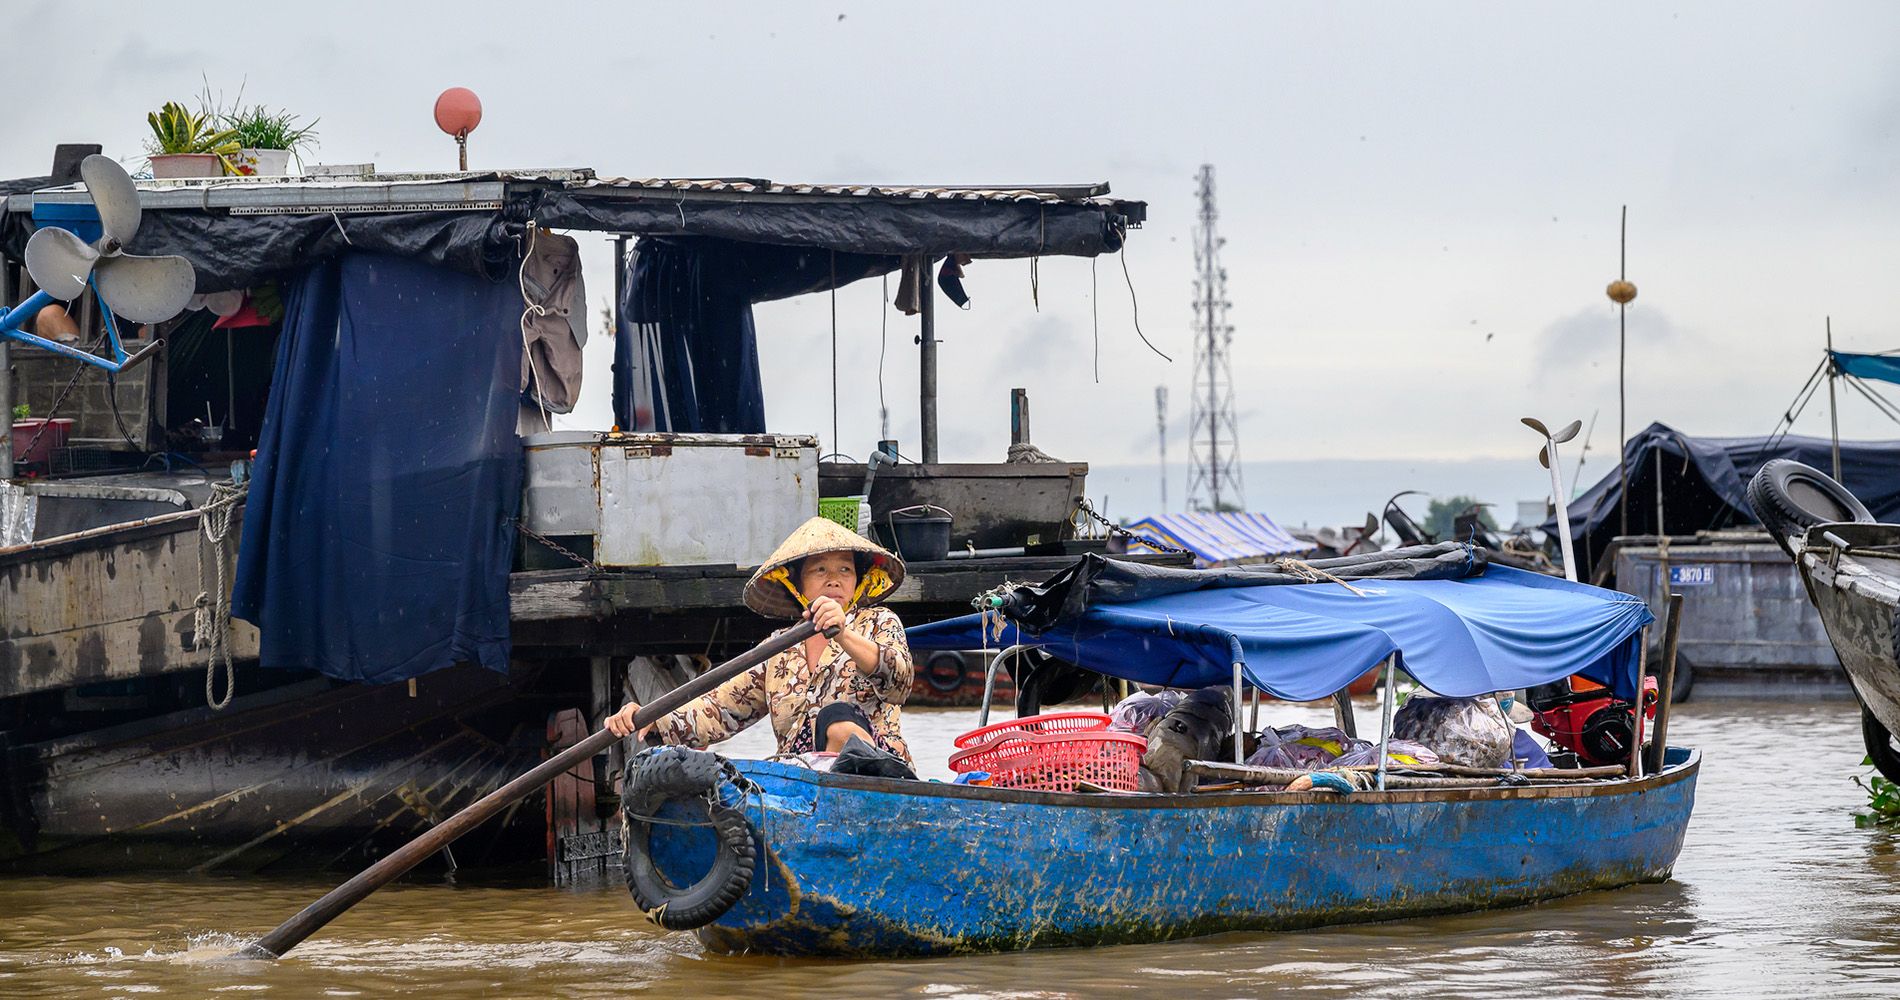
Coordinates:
[1213,431]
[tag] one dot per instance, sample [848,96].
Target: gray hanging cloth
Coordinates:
[553,323]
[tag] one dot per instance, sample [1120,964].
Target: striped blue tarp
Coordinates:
[1219,539]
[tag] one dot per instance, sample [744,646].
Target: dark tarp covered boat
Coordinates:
[1703,484]
[872,867]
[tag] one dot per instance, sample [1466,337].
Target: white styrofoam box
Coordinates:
[672,499]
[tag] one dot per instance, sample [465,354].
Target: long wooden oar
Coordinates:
[312,918]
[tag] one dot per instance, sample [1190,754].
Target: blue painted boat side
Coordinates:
[875,868]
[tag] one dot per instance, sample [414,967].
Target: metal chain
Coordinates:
[578,559]
[1116,529]
[78,370]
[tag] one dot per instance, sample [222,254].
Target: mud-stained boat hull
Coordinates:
[1858,594]
[865,867]
[306,776]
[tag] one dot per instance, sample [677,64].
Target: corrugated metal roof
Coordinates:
[1050,193]
[1218,539]
[421,191]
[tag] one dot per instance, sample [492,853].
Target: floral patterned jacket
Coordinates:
[791,691]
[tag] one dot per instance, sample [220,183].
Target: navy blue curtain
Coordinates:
[686,354]
[379,532]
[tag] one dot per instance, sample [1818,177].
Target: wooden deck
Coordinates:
[699,609]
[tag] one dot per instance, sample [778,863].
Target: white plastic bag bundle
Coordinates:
[1300,747]
[1139,712]
[1402,752]
[1473,732]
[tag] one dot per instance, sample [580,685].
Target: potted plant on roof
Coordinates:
[266,140]
[186,143]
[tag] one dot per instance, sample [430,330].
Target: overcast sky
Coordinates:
[1420,201]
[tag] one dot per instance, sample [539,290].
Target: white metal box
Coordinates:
[671,499]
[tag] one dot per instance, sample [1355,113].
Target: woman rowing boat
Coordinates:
[822,692]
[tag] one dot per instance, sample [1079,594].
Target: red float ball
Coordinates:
[458,111]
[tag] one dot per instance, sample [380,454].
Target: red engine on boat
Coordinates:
[1583,716]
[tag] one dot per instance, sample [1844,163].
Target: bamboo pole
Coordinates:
[312,918]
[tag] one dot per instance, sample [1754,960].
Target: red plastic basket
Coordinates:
[1055,762]
[1042,725]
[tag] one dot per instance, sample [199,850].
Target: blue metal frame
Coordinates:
[11,320]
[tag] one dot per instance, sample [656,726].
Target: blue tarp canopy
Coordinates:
[1217,537]
[1881,367]
[1503,630]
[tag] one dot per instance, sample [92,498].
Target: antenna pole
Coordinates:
[1622,366]
[1161,438]
[1833,414]
[1213,432]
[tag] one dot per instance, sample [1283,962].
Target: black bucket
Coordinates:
[916,534]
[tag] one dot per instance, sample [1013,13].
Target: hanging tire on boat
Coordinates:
[1685,674]
[945,671]
[1880,748]
[1789,498]
[665,774]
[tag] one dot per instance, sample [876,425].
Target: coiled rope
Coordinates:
[211,625]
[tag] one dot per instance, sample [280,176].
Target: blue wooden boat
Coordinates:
[852,866]
[876,867]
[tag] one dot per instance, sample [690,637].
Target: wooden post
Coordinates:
[1660,529]
[1342,713]
[1668,684]
[927,364]
[1018,416]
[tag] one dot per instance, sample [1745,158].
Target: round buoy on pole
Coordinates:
[1623,293]
[457,112]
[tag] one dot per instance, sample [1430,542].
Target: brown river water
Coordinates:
[1777,894]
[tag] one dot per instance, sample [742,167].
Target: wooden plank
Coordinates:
[112,606]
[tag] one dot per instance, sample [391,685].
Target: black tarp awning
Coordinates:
[237,234]
[1704,479]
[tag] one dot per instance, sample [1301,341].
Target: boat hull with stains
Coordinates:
[871,867]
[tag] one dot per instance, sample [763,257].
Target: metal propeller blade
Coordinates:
[1537,425]
[1570,430]
[145,289]
[1543,456]
[59,262]
[115,198]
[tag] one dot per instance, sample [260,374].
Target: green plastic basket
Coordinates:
[843,510]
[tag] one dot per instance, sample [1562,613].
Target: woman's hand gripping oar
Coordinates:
[312,918]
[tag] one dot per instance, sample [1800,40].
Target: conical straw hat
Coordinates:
[767,593]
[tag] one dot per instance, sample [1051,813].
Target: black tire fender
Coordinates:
[663,774]
[1789,498]
[1685,674]
[944,680]
[1880,748]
